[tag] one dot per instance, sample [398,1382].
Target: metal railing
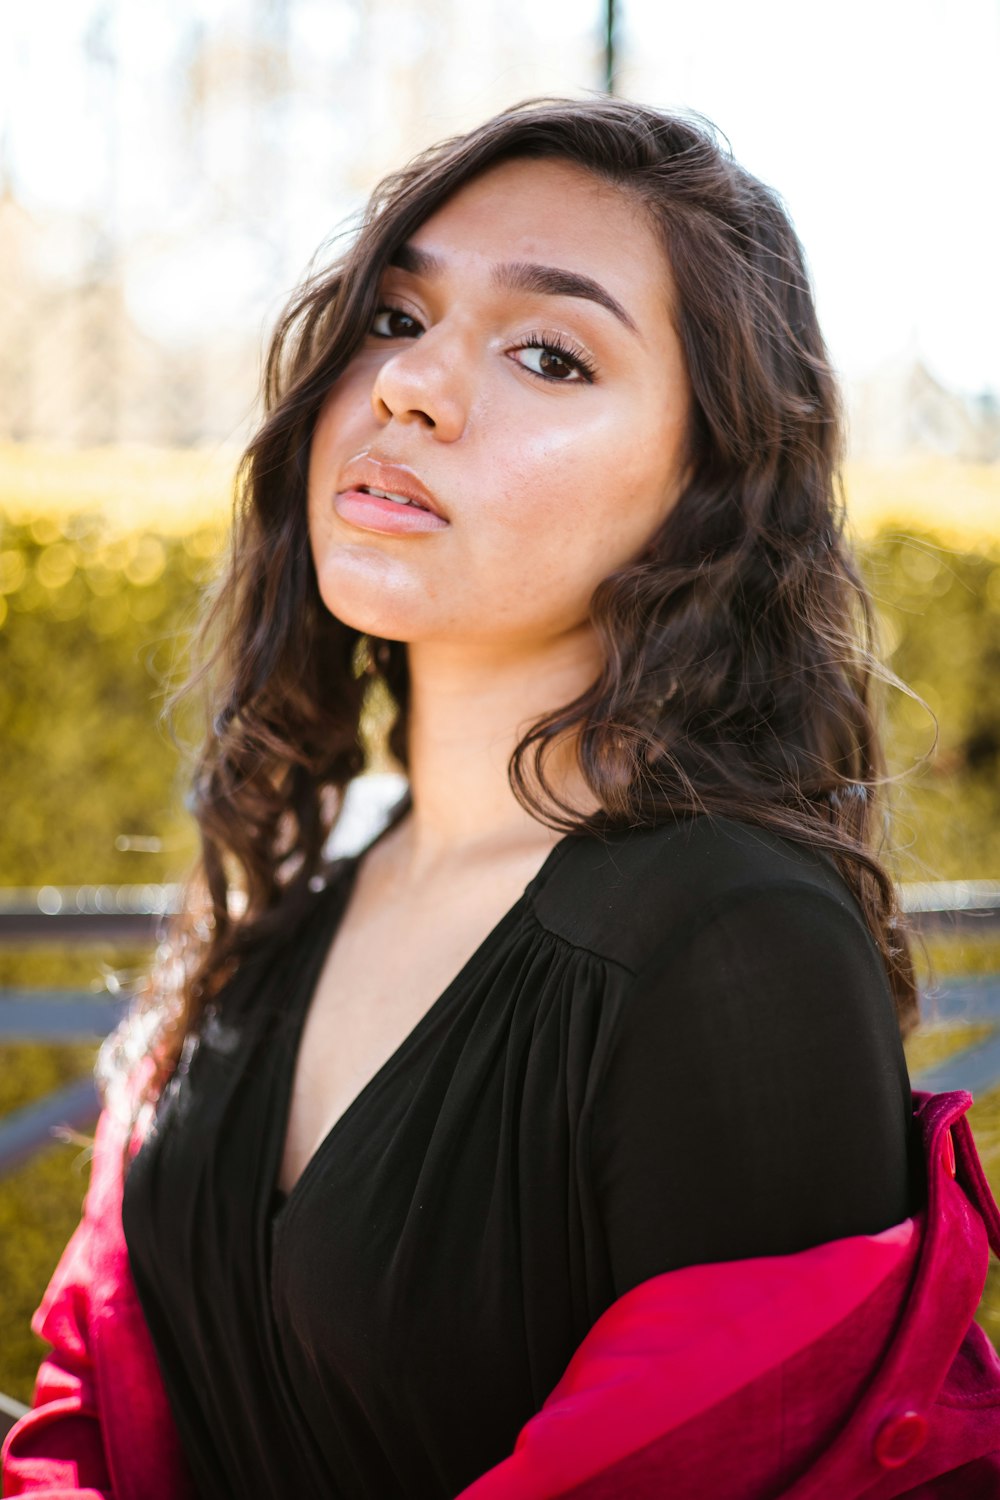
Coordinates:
[55,916]
[10,1412]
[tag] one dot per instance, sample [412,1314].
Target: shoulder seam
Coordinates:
[559,937]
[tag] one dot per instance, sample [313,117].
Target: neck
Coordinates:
[468,710]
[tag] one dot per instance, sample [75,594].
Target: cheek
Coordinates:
[633,474]
[543,543]
[345,416]
[329,425]
[552,466]
[592,492]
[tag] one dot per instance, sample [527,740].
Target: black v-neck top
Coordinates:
[677,1046]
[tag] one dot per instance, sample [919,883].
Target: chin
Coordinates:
[353,612]
[355,597]
[367,621]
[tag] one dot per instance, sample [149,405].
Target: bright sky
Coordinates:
[877,120]
[879,123]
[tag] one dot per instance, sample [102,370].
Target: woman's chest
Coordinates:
[442,1224]
[376,986]
[442,1248]
[388,965]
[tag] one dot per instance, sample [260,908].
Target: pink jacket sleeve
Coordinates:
[57,1449]
[100,1427]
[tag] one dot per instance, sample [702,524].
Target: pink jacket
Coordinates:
[851,1369]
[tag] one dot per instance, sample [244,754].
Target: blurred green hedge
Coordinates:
[94,623]
[940,615]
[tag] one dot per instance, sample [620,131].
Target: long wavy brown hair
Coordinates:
[741,673]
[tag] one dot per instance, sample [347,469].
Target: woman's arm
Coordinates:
[756,1098]
[751,1141]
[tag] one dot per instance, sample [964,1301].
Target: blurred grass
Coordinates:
[103,557]
[939,954]
[932,1044]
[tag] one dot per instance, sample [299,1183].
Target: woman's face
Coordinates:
[549,473]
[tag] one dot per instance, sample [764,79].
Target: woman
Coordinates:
[616,996]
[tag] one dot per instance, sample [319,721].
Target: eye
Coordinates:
[555,352]
[394,315]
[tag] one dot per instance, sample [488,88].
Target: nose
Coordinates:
[427,382]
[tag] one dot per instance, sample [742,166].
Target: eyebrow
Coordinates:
[521,276]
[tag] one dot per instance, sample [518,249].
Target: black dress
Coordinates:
[677,1046]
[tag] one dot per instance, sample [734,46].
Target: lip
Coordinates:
[373,513]
[373,473]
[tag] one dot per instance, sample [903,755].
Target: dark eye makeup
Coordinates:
[550,344]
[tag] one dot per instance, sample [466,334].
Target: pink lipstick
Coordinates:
[375,513]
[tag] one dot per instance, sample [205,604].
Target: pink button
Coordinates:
[900,1438]
[949,1153]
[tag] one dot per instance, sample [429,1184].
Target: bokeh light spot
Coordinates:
[56,565]
[12,570]
[146,562]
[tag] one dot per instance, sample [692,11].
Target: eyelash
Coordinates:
[552,343]
[556,345]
